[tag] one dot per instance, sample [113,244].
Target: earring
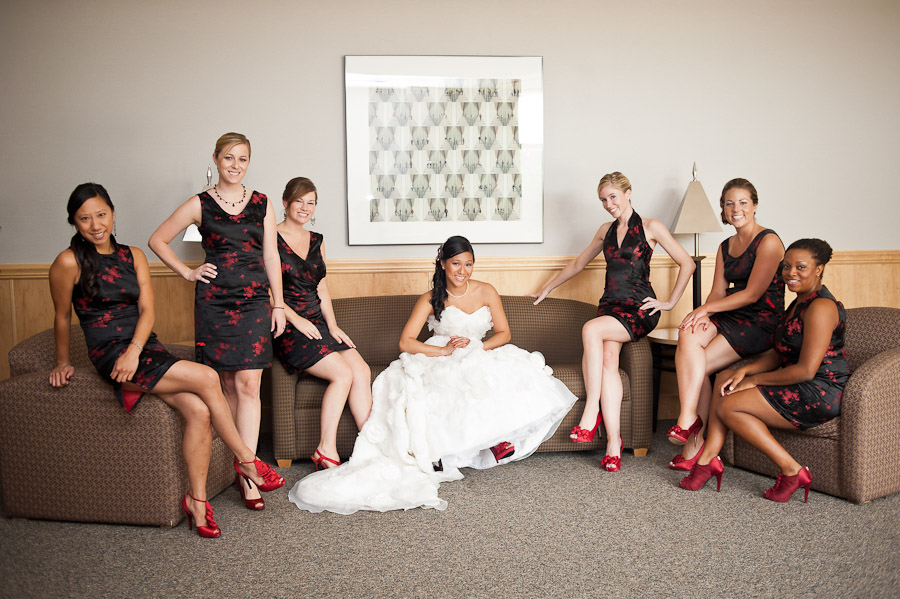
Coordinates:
[312,221]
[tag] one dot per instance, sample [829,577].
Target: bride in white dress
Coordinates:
[454,401]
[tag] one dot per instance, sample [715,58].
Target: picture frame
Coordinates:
[444,145]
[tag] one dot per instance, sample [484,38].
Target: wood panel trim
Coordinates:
[488,263]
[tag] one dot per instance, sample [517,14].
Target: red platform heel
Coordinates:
[786,485]
[211,530]
[583,435]
[702,473]
[679,436]
[251,504]
[613,463]
[502,450]
[680,462]
[271,479]
[321,459]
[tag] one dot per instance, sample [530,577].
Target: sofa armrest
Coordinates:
[870,429]
[636,360]
[284,433]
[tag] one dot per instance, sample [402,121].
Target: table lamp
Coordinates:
[192,233]
[696,216]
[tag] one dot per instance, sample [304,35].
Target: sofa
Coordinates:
[74,454]
[856,455]
[553,327]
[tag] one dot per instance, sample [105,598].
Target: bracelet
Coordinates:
[139,346]
[278,307]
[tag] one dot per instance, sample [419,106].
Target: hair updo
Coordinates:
[228,141]
[452,247]
[616,179]
[85,252]
[736,184]
[298,187]
[819,248]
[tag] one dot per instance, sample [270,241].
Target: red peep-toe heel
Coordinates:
[271,479]
[320,461]
[583,435]
[701,473]
[679,436]
[786,485]
[211,530]
[502,450]
[680,462]
[613,463]
[251,504]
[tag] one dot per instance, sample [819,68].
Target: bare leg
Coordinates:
[360,398]
[334,369]
[611,397]
[241,388]
[593,335]
[690,364]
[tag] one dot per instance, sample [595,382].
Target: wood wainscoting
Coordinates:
[858,278]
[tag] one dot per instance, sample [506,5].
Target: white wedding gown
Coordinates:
[449,408]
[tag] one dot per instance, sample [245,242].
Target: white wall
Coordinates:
[800,97]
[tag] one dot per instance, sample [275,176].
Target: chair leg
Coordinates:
[640,452]
[284,463]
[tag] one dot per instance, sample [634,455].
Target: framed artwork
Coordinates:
[444,145]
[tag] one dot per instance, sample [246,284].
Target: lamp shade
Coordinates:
[696,215]
[192,233]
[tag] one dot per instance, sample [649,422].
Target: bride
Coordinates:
[453,401]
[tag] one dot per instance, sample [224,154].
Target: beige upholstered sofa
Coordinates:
[857,455]
[75,454]
[553,328]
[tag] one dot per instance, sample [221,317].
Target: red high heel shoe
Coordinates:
[320,462]
[680,462]
[271,479]
[679,436]
[583,435]
[502,450]
[251,504]
[211,530]
[613,463]
[702,473]
[786,485]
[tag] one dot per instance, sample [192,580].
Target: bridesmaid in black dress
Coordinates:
[109,285]
[233,320]
[628,309]
[737,320]
[799,385]
[313,341]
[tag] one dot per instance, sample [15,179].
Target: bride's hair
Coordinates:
[452,247]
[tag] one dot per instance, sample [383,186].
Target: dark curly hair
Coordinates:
[737,184]
[85,252]
[819,249]
[452,247]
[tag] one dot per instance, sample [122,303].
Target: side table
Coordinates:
[663,342]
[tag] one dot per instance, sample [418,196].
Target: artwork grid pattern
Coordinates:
[445,153]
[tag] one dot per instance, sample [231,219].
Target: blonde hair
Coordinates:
[228,141]
[616,179]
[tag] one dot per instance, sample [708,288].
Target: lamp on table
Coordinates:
[192,233]
[696,216]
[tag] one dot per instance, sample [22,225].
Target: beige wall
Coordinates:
[800,97]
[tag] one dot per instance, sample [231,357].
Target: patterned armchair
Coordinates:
[857,455]
[553,328]
[75,454]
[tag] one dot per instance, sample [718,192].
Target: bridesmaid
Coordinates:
[313,341]
[627,311]
[737,320]
[232,317]
[797,386]
[108,284]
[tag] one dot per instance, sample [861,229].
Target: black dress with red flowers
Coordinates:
[300,279]
[628,278]
[816,401]
[109,319]
[232,317]
[748,330]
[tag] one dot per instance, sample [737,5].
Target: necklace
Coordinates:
[464,292]
[232,204]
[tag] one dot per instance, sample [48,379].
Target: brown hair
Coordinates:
[228,141]
[616,179]
[298,187]
[736,184]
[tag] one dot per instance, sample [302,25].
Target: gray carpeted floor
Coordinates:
[553,525]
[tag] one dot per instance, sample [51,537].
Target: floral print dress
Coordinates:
[300,279]
[109,319]
[628,278]
[232,317]
[809,403]
[748,330]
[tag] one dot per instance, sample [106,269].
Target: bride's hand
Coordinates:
[460,342]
